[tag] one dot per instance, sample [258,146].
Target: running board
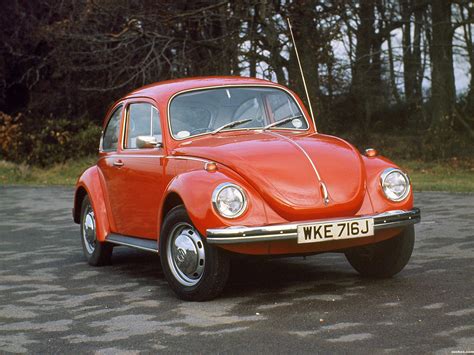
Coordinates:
[137,243]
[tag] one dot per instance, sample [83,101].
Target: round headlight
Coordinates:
[395,184]
[229,200]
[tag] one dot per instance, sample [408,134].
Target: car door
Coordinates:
[135,186]
[109,172]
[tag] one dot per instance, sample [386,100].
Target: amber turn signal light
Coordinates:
[371,152]
[210,167]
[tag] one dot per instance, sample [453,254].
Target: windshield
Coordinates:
[209,110]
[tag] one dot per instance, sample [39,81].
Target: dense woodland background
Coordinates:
[380,72]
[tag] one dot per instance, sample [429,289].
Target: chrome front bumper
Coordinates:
[236,235]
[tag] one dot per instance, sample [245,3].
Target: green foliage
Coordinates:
[45,142]
[10,137]
[444,143]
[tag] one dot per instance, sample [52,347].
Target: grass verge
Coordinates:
[452,175]
[59,174]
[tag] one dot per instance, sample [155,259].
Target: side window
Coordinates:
[143,120]
[111,133]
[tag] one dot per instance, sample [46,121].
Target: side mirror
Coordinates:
[148,142]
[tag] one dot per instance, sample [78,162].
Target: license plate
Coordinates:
[322,232]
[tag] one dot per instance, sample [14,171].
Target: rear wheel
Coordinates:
[383,259]
[194,270]
[97,253]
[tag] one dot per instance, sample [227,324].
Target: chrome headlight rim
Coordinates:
[215,196]
[384,176]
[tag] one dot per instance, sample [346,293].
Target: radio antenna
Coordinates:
[301,70]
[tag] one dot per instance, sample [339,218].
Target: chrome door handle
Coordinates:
[118,163]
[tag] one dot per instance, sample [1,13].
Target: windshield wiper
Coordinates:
[231,124]
[282,121]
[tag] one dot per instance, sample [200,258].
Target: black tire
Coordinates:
[102,251]
[384,259]
[215,271]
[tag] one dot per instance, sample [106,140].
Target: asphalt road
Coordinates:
[51,301]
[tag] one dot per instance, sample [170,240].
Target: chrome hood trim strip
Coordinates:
[322,185]
[301,149]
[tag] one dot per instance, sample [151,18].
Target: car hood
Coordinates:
[286,169]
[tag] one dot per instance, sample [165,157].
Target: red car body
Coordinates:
[289,178]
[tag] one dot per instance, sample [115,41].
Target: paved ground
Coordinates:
[52,302]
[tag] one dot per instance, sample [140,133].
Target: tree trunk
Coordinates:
[467,29]
[253,47]
[376,88]
[412,73]
[362,65]
[442,77]
[269,37]
[393,79]
[417,63]
[308,41]
[408,70]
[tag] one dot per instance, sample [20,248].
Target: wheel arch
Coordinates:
[172,200]
[194,190]
[89,184]
[79,196]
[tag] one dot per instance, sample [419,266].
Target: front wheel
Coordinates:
[97,253]
[383,259]
[194,270]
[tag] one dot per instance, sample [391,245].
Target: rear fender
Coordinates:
[90,183]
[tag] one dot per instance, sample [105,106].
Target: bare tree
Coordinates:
[467,23]
[442,77]
[70,58]
[412,17]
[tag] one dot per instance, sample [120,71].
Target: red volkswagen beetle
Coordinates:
[200,169]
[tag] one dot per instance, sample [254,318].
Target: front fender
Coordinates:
[374,167]
[90,183]
[195,189]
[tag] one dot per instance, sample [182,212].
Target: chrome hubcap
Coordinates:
[88,230]
[186,256]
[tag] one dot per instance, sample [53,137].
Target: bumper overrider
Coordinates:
[276,232]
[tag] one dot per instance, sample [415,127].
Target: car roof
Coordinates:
[165,89]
